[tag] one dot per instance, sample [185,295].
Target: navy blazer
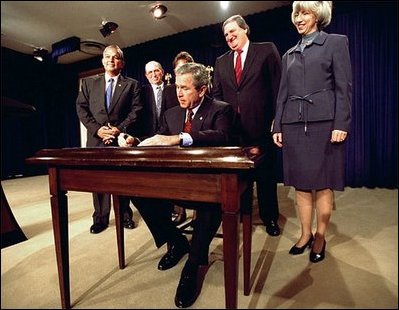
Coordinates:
[211,125]
[124,111]
[257,92]
[316,85]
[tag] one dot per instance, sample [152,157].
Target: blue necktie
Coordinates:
[108,93]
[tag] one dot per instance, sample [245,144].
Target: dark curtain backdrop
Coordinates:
[370,26]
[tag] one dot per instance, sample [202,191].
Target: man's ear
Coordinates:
[203,90]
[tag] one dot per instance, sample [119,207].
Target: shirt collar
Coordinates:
[197,107]
[244,51]
[155,87]
[107,77]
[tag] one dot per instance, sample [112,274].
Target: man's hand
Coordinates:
[106,134]
[115,131]
[125,140]
[161,140]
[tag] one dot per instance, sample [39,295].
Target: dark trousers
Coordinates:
[102,208]
[266,188]
[156,214]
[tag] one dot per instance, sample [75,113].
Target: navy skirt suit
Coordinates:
[314,99]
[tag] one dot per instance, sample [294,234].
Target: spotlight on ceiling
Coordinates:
[158,10]
[108,28]
[40,54]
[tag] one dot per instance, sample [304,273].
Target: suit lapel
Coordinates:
[201,114]
[180,120]
[248,62]
[230,68]
[119,88]
[152,103]
[99,89]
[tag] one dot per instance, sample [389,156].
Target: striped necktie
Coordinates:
[159,101]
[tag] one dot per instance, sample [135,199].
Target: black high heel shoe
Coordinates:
[299,250]
[318,257]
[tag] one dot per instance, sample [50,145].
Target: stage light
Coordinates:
[40,54]
[108,28]
[158,10]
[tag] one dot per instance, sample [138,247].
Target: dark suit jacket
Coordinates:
[169,98]
[257,92]
[124,110]
[149,123]
[325,78]
[211,125]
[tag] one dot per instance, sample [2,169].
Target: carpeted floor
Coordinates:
[360,270]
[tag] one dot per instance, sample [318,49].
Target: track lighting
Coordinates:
[108,28]
[158,10]
[40,54]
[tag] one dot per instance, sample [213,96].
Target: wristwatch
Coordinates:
[181,139]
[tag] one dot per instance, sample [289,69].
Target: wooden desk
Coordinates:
[212,174]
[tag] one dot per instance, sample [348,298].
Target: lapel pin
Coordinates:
[200,118]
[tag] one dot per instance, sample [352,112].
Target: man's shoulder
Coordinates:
[224,55]
[94,78]
[262,45]
[219,104]
[173,110]
[146,87]
[128,79]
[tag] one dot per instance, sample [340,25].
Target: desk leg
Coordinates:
[120,237]
[230,224]
[59,213]
[246,213]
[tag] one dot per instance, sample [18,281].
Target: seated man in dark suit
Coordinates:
[197,121]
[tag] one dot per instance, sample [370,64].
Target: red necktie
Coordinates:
[238,67]
[188,124]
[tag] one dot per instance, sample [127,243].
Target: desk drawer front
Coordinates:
[168,185]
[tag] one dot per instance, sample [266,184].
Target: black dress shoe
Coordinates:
[299,250]
[174,255]
[188,289]
[272,228]
[180,218]
[97,228]
[129,224]
[318,257]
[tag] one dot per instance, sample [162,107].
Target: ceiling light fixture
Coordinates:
[158,10]
[40,54]
[108,28]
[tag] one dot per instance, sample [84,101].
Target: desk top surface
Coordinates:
[154,157]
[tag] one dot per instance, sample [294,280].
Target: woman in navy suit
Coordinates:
[312,120]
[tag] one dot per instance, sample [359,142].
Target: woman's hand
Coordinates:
[338,136]
[278,139]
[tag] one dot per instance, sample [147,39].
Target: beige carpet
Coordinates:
[360,270]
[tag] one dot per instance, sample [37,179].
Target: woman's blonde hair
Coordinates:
[321,9]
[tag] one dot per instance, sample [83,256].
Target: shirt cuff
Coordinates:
[185,139]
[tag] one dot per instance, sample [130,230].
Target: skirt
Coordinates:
[310,160]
